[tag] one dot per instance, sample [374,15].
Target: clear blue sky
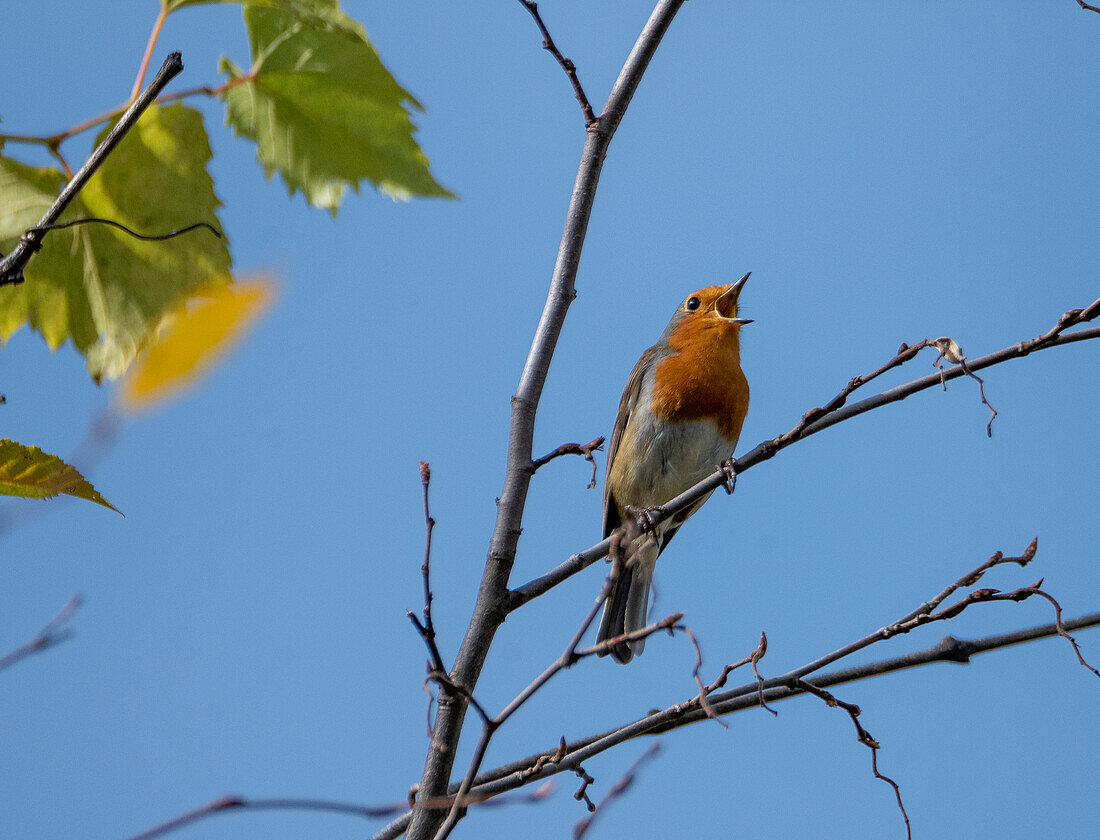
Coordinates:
[888,172]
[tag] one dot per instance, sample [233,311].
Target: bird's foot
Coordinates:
[646,518]
[729,475]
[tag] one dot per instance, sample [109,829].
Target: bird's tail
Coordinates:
[627,606]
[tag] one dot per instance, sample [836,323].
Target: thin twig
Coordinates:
[53,141]
[864,738]
[52,634]
[582,792]
[154,36]
[427,628]
[566,65]
[148,237]
[585,449]
[237,803]
[1087,7]
[11,266]
[569,657]
[618,789]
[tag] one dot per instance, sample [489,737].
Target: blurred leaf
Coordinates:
[323,110]
[193,341]
[102,288]
[327,10]
[29,472]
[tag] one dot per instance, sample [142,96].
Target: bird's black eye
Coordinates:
[692,304]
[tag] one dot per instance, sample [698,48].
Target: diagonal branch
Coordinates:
[226,804]
[818,419]
[11,266]
[52,634]
[543,765]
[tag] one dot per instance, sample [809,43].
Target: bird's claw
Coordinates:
[646,518]
[729,475]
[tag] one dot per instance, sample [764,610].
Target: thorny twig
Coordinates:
[52,634]
[585,449]
[864,738]
[570,69]
[618,789]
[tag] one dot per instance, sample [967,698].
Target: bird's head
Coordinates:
[711,311]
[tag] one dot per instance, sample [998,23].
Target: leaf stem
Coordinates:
[154,36]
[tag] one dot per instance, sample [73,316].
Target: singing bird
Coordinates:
[679,418]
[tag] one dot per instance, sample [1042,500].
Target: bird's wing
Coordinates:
[611,518]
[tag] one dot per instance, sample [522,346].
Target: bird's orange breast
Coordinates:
[701,379]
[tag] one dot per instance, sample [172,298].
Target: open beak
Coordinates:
[728,300]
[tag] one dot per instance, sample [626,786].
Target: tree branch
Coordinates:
[225,804]
[759,693]
[818,419]
[490,608]
[52,634]
[11,266]
[585,449]
[568,66]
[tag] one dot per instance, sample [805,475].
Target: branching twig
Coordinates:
[949,649]
[566,65]
[789,685]
[585,449]
[818,419]
[1087,7]
[582,792]
[11,266]
[618,789]
[864,738]
[53,633]
[238,803]
[569,657]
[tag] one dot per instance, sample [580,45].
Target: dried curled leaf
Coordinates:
[29,472]
[202,332]
[950,350]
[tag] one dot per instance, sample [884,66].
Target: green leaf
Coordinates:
[29,472]
[323,110]
[96,285]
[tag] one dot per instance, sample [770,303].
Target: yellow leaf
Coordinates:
[203,331]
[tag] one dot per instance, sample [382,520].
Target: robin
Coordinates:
[679,417]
